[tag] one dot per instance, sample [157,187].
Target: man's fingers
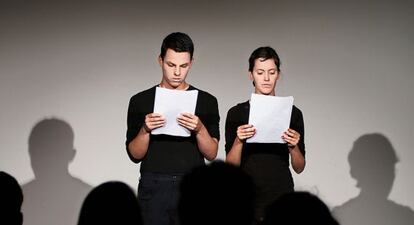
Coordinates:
[186,124]
[188,115]
[185,119]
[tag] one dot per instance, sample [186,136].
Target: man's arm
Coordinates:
[139,145]
[208,145]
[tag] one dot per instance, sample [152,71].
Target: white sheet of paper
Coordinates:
[270,115]
[170,104]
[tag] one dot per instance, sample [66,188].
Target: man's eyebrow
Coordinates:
[171,63]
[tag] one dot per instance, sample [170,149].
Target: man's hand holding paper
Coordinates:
[153,121]
[190,121]
[178,109]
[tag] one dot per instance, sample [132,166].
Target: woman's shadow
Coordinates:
[54,196]
[372,161]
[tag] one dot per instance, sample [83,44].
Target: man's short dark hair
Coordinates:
[179,42]
[264,53]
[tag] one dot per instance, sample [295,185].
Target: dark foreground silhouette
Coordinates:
[11,198]
[298,208]
[216,194]
[111,203]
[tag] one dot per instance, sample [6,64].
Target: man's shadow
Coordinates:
[372,161]
[54,196]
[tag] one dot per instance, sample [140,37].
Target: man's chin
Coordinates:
[266,92]
[176,84]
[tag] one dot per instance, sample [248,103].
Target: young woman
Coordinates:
[266,163]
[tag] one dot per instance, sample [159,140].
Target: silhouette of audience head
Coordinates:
[298,208]
[217,193]
[372,161]
[110,203]
[11,199]
[51,146]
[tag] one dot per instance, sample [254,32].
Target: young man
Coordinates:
[164,158]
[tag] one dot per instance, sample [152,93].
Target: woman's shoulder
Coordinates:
[296,116]
[238,112]
[242,106]
[296,110]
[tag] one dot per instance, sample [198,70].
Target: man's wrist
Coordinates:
[240,141]
[198,131]
[145,129]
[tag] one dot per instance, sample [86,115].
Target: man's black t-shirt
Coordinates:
[171,154]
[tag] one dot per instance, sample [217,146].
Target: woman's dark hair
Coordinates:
[179,42]
[264,53]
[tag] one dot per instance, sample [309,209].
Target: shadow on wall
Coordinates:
[54,196]
[372,161]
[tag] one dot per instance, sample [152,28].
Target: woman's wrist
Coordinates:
[291,147]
